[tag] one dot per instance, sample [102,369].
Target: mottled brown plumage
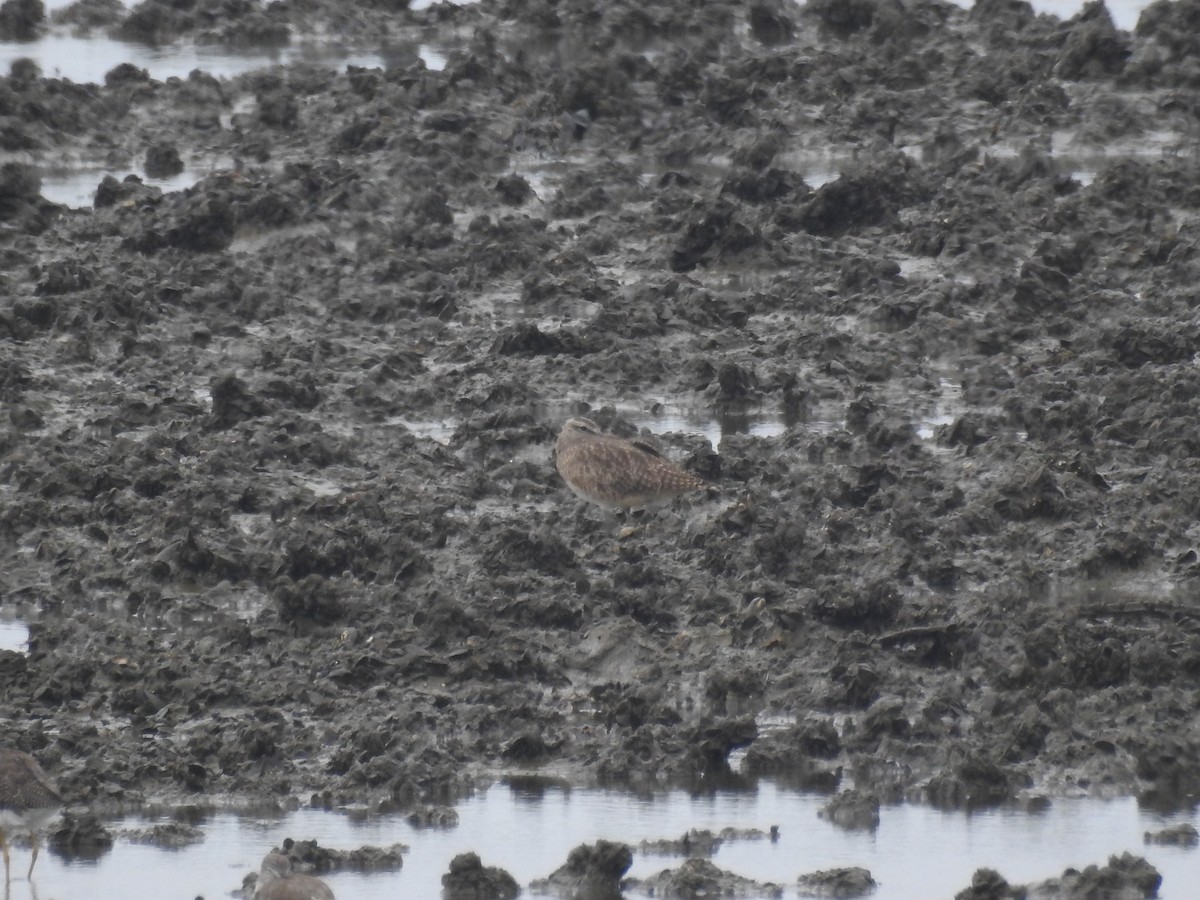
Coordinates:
[28,801]
[615,472]
[276,881]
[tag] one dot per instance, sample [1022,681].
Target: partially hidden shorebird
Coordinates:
[28,801]
[277,882]
[617,473]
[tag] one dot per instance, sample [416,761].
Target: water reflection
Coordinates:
[667,419]
[816,167]
[77,188]
[947,407]
[14,634]
[440,430]
[87,59]
[917,852]
[1124,12]
[715,424]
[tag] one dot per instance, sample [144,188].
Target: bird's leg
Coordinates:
[4,847]
[33,839]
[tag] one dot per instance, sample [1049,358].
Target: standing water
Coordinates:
[917,852]
[14,634]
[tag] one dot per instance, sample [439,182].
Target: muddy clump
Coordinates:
[853,881]
[700,878]
[1124,876]
[591,872]
[469,879]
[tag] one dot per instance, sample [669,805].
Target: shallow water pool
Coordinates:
[917,852]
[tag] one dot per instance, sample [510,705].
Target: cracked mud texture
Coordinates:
[965,571]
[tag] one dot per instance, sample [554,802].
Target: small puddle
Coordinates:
[815,168]
[544,175]
[190,605]
[682,420]
[439,430]
[1083,161]
[14,634]
[507,307]
[928,269]
[1122,593]
[86,60]
[668,418]
[434,56]
[77,188]
[250,524]
[317,486]
[916,853]
[947,407]
[1124,12]
[816,175]
[927,413]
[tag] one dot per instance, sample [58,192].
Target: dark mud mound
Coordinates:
[848,882]
[700,878]
[469,879]
[1124,876]
[591,872]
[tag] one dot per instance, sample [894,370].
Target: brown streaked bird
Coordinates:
[615,472]
[276,881]
[28,801]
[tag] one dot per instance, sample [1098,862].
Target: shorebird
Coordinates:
[276,881]
[28,801]
[615,472]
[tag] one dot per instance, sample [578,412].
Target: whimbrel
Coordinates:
[28,801]
[615,472]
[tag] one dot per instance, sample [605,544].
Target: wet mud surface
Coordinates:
[275,474]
